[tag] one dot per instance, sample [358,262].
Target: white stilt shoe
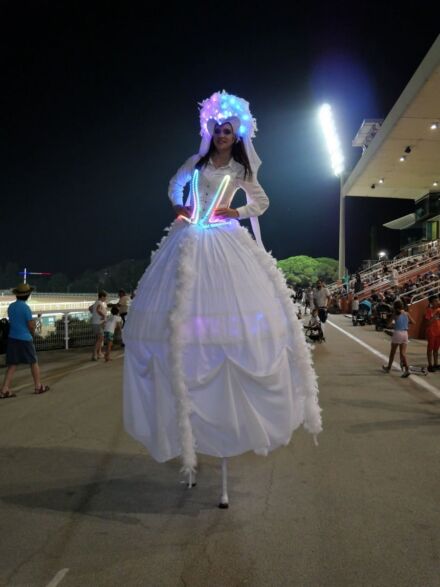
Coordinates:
[224,500]
[191,480]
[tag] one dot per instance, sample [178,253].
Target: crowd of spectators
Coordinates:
[385,280]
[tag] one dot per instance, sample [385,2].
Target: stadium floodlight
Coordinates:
[382,255]
[332,139]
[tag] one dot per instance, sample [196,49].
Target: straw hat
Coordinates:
[23,289]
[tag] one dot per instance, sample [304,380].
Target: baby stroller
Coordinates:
[315,333]
[382,315]
[364,314]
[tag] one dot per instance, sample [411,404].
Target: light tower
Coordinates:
[337,163]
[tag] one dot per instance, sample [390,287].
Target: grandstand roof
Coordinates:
[407,127]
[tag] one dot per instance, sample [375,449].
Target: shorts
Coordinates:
[109,336]
[98,329]
[20,351]
[433,342]
[400,337]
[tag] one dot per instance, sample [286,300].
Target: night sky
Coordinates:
[99,109]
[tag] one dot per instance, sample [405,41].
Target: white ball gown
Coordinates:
[216,361]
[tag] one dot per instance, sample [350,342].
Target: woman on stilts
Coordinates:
[216,361]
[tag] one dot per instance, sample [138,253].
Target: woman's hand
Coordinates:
[182,211]
[226,213]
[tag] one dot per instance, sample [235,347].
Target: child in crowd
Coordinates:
[399,339]
[355,309]
[432,318]
[314,322]
[113,321]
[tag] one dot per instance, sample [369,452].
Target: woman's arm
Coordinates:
[178,182]
[259,202]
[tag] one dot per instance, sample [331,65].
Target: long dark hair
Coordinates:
[398,307]
[238,153]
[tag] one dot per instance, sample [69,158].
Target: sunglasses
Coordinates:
[225,131]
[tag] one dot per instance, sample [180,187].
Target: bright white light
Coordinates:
[435,183]
[381,180]
[331,138]
[434,126]
[402,159]
[382,254]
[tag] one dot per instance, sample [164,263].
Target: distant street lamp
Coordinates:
[382,255]
[337,163]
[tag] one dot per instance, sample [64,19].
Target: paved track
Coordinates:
[81,504]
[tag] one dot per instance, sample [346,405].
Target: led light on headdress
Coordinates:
[221,106]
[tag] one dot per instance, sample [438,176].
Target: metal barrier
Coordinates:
[65,330]
[54,305]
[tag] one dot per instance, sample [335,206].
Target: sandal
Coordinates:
[41,389]
[7,394]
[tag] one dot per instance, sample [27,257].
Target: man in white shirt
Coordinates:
[321,298]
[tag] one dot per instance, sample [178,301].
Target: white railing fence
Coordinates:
[64,330]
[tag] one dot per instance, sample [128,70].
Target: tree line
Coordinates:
[125,275]
[299,270]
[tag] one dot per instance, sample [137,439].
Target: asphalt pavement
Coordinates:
[82,504]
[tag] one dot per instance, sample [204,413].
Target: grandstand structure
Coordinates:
[401,154]
[401,159]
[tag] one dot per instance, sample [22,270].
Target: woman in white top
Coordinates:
[216,360]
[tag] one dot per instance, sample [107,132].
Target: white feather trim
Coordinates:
[303,357]
[184,279]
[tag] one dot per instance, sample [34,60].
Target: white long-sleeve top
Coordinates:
[210,179]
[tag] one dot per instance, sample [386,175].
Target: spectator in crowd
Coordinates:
[308,299]
[314,322]
[321,297]
[122,305]
[432,320]
[399,339]
[20,347]
[394,277]
[113,322]
[39,324]
[358,285]
[374,297]
[355,309]
[99,314]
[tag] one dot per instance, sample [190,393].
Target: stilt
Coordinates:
[191,480]
[224,500]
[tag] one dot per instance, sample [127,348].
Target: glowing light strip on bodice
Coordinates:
[195,191]
[207,220]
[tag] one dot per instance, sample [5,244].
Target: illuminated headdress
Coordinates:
[222,107]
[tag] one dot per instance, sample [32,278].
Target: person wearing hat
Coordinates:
[20,348]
